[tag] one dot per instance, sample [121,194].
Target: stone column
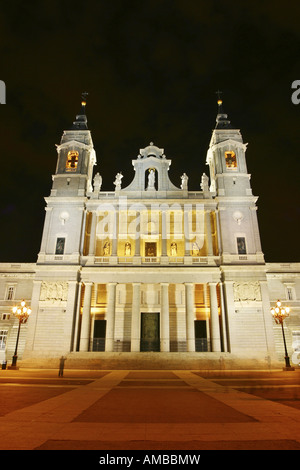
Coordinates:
[115,235]
[86,318]
[214,318]
[208,234]
[228,291]
[186,229]
[136,317]
[268,321]
[163,232]
[92,244]
[70,314]
[110,316]
[138,234]
[32,321]
[164,318]
[45,237]
[190,317]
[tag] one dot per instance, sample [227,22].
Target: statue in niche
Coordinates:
[106,249]
[151,180]
[97,182]
[204,182]
[196,249]
[118,181]
[127,249]
[173,249]
[184,182]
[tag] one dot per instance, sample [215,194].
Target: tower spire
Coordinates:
[81,120]
[221,121]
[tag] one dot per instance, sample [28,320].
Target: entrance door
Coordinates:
[150,338]
[99,335]
[200,336]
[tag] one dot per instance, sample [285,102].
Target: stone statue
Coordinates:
[204,182]
[106,249]
[127,249]
[196,249]
[118,181]
[97,182]
[151,180]
[173,249]
[184,182]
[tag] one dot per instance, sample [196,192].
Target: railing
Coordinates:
[199,260]
[101,260]
[202,345]
[151,259]
[98,344]
[149,345]
[176,260]
[125,260]
[122,346]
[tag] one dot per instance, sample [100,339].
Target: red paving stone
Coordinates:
[160,405]
[171,445]
[15,398]
[148,410]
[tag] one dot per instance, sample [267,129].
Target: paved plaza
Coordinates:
[149,410]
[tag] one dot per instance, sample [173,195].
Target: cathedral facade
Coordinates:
[153,267]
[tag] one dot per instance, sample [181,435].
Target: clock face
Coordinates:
[230,158]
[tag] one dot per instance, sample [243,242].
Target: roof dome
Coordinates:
[152,151]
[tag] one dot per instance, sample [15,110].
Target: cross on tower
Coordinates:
[84,96]
[218,92]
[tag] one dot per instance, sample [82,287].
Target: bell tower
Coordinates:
[72,182]
[76,159]
[230,182]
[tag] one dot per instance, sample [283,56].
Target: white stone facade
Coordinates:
[153,266]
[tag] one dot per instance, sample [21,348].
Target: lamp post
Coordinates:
[280,313]
[22,312]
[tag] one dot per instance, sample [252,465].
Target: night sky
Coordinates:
[151,69]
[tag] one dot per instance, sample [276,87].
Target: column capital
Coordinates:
[164,283]
[88,283]
[213,283]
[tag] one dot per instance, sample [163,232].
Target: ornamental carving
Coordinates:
[247,291]
[54,292]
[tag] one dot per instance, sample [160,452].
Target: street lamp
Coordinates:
[280,313]
[22,313]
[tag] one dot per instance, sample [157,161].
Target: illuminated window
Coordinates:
[230,158]
[72,160]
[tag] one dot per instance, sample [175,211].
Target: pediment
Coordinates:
[74,144]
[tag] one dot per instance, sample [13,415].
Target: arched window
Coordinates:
[230,158]
[72,160]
